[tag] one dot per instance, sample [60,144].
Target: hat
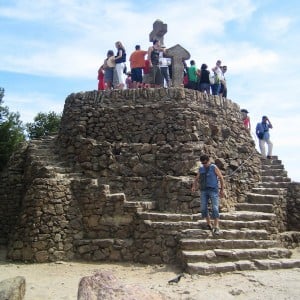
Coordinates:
[244,111]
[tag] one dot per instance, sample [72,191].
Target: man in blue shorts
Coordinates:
[207,177]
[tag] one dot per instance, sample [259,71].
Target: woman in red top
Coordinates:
[246,119]
[101,84]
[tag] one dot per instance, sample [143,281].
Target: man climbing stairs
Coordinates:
[248,239]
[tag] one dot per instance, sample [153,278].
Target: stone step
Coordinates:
[271,167]
[59,169]
[213,243]
[40,149]
[274,161]
[275,157]
[268,208]
[275,179]
[144,205]
[274,172]
[242,265]
[47,157]
[262,198]
[234,216]
[222,255]
[225,224]
[42,141]
[274,184]
[247,216]
[257,234]
[164,216]
[268,191]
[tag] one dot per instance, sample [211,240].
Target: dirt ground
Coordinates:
[60,280]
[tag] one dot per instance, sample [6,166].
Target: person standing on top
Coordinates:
[120,60]
[164,69]
[218,76]
[109,67]
[223,89]
[137,63]
[262,132]
[101,83]
[155,77]
[192,76]
[204,83]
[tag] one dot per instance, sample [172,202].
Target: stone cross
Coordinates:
[158,32]
[178,55]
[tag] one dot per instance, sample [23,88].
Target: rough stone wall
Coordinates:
[47,224]
[11,193]
[293,206]
[152,139]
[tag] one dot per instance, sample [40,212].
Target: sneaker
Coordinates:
[269,157]
[216,231]
[209,227]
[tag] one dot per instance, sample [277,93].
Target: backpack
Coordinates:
[214,78]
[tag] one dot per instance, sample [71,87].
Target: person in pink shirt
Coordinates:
[101,83]
[246,118]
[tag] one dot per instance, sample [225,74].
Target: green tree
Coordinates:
[44,124]
[11,132]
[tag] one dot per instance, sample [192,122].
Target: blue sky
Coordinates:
[51,48]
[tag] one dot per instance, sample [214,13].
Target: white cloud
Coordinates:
[276,26]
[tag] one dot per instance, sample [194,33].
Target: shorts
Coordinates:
[213,196]
[137,75]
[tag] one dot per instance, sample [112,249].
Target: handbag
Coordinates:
[125,69]
[260,135]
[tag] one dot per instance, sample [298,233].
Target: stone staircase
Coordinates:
[44,161]
[248,239]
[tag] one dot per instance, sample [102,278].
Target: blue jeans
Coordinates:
[215,88]
[213,195]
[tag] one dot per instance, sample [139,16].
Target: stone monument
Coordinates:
[177,53]
[158,32]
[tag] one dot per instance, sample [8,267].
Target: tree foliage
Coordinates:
[11,132]
[44,124]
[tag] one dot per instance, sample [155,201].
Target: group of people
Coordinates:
[152,68]
[110,74]
[148,68]
[211,82]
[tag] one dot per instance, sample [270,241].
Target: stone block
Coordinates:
[13,288]
[42,256]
